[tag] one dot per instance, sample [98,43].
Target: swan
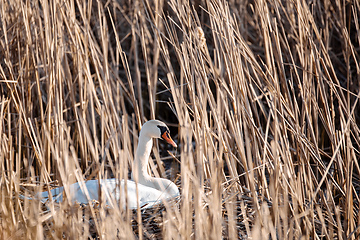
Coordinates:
[151,190]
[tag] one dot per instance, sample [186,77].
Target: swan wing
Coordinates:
[112,191]
[147,196]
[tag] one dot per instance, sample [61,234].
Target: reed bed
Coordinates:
[261,97]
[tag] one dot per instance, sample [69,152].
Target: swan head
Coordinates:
[157,129]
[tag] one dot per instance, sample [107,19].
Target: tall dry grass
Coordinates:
[262,97]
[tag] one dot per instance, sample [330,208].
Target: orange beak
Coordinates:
[168,139]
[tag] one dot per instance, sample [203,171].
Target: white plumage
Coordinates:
[151,190]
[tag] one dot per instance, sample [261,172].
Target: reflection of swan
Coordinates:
[151,190]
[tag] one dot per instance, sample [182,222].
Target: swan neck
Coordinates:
[142,158]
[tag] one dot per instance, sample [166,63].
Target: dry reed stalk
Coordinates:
[265,94]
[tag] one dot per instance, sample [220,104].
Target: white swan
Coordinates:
[151,190]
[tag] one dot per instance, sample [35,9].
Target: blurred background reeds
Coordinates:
[262,98]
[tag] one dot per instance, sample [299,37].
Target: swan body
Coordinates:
[112,191]
[151,190]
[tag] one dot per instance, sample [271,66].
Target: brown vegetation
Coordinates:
[262,97]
